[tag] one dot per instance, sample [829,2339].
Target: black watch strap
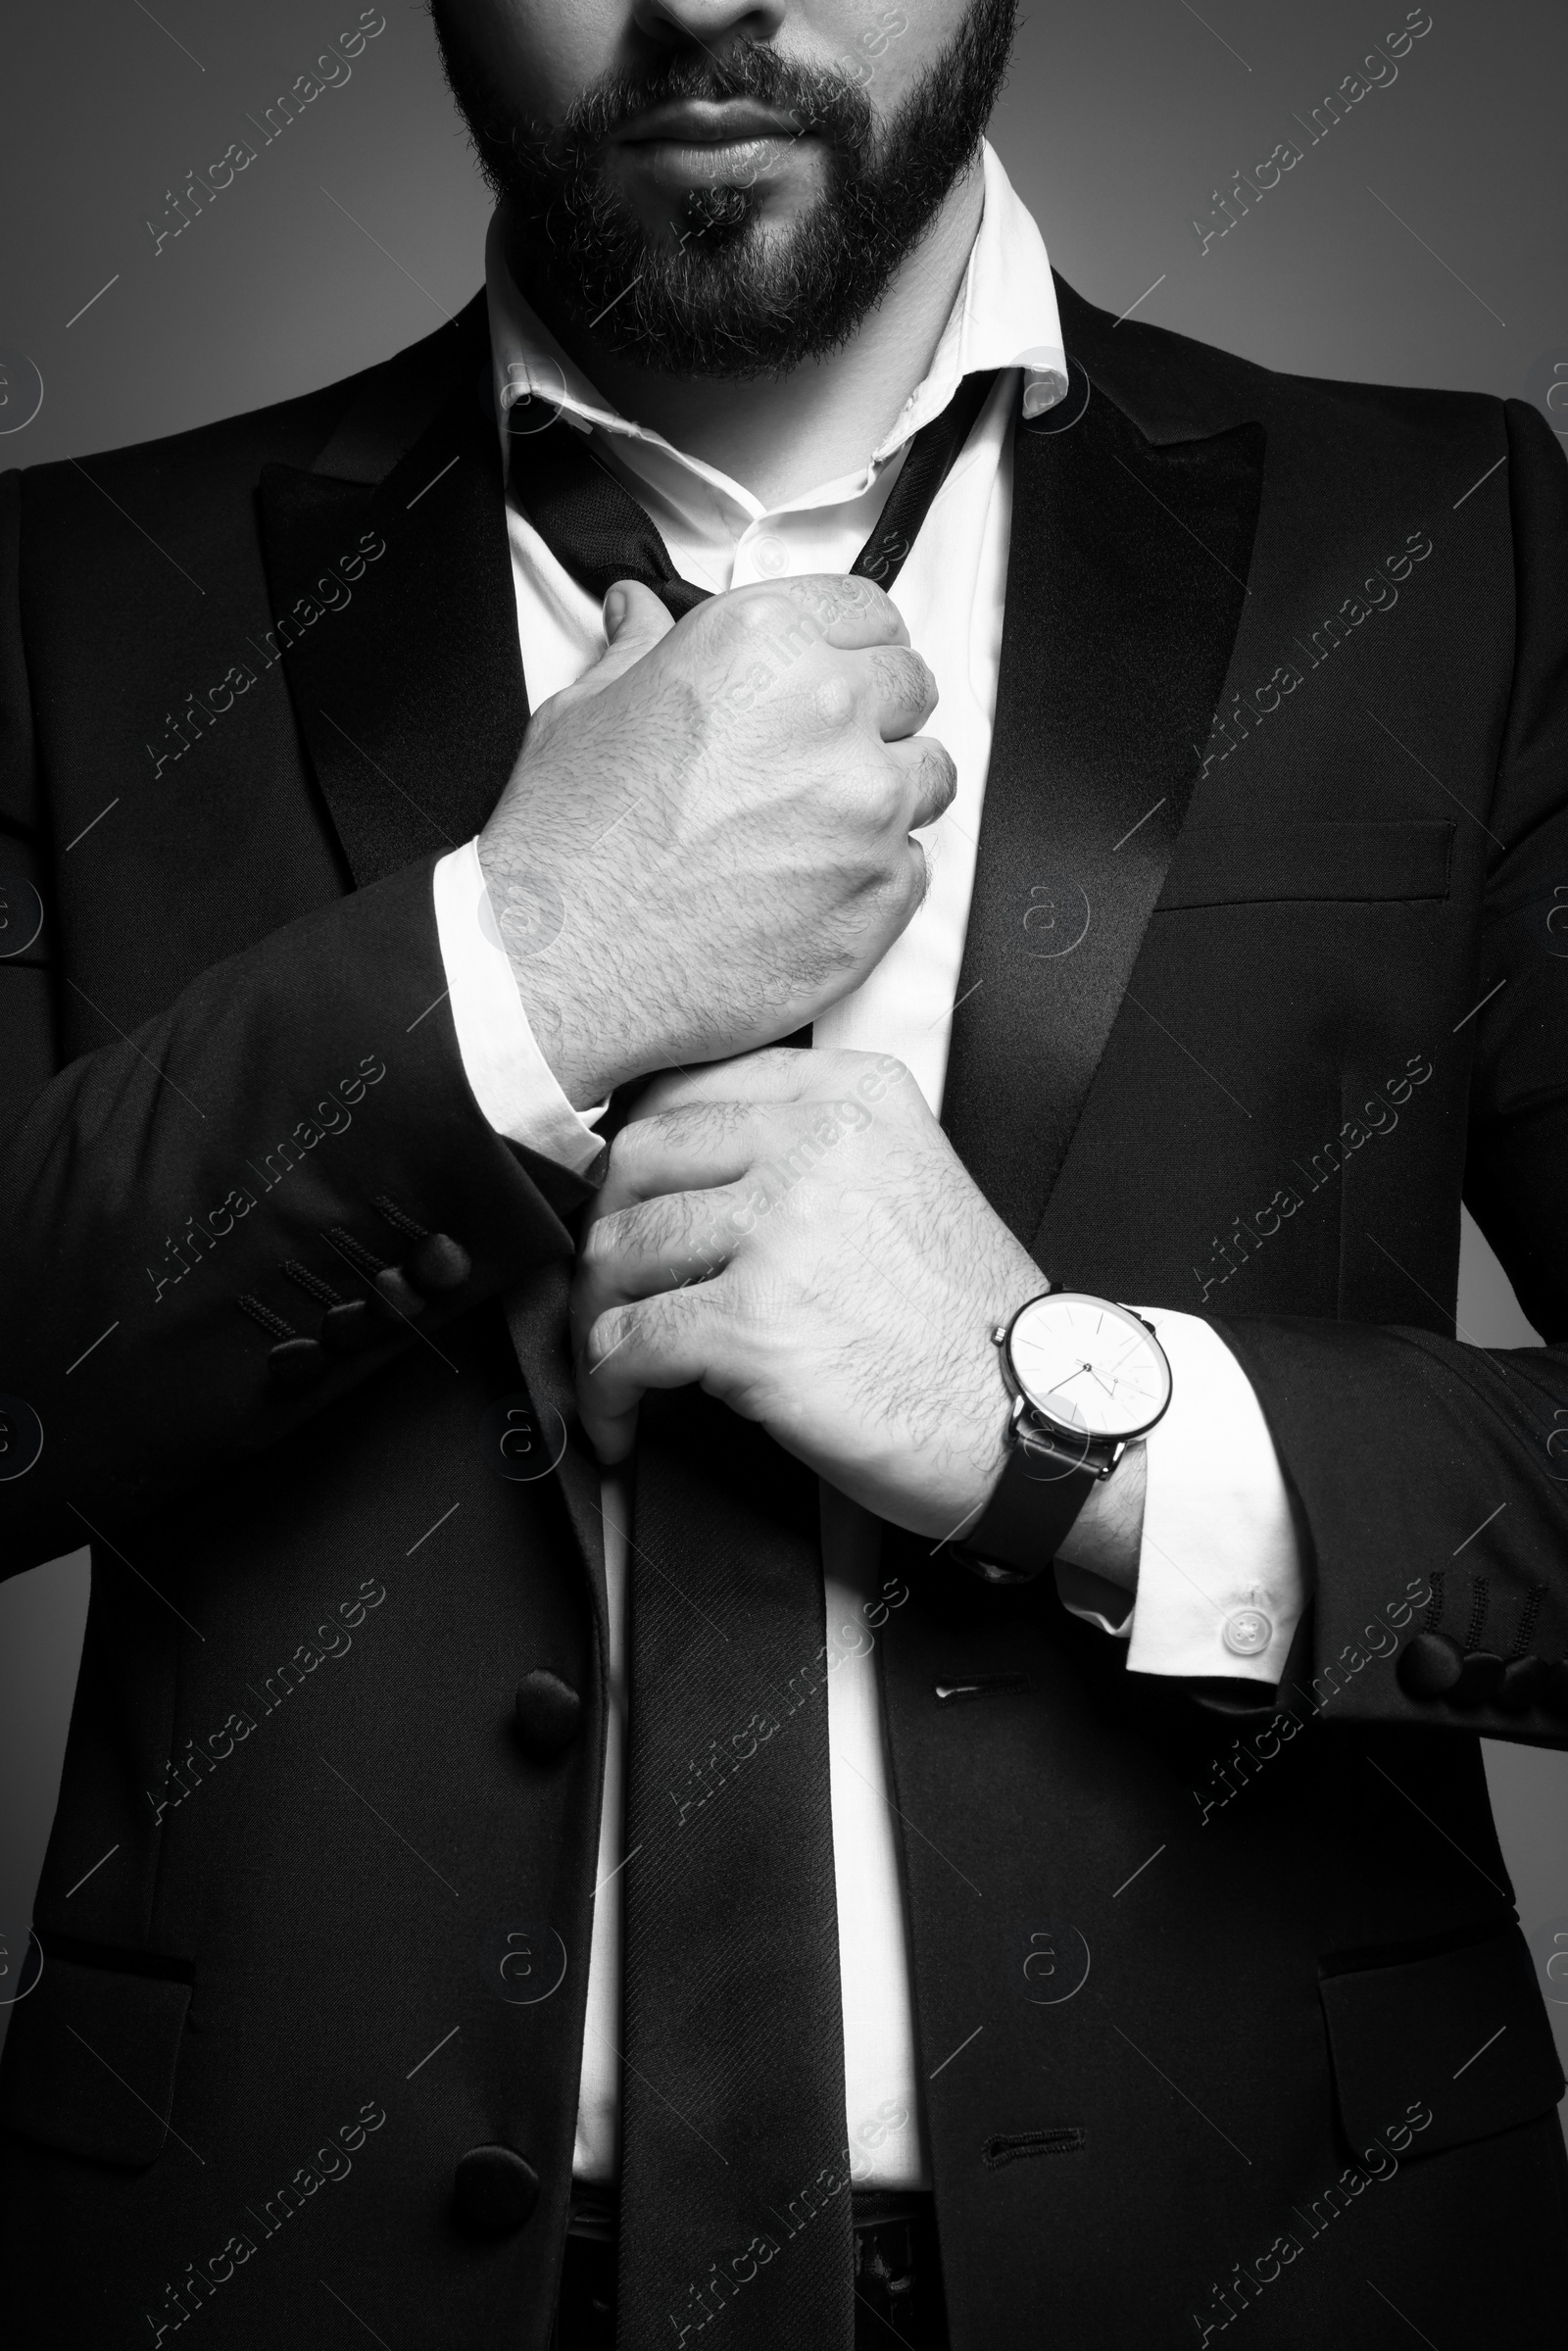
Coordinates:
[1036,1498]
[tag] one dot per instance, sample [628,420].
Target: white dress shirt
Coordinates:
[1219,1589]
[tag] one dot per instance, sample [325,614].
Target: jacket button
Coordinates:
[395,1288]
[1552,1687]
[438,1263]
[1479,1680]
[1429,1666]
[351,1327]
[495,2190]
[1516,1692]
[545,1715]
[296,1362]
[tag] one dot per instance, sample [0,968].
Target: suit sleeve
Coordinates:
[1431,1477]
[217,1226]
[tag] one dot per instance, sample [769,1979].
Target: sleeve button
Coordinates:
[399,1293]
[438,1263]
[1248,1633]
[1552,1687]
[296,1364]
[1429,1666]
[349,1328]
[1479,1680]
[1516,1693]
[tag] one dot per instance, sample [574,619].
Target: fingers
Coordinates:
[902,691]
[929,775]
[634,622]
[777,1073]
[813,607]
[648,1250]
[693,1147]
[666,1343]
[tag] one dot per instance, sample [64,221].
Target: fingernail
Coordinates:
[614,609]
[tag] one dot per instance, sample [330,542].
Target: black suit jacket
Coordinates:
[1320,991]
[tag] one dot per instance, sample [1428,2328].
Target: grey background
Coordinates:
[1423,240]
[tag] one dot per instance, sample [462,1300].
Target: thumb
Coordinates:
[634,622]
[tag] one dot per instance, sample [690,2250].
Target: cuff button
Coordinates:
[1552,1687]
[438,1263]
[1516,1692]
[1429,1666]
[1248,1633]
[349,1328]
[296,1364]
[398,1292]
[1479,1680]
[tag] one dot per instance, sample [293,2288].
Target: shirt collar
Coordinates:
[1004,316]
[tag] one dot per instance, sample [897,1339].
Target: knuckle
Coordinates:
[833,699]
[602,1243]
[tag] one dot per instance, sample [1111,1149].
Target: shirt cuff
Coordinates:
[508,1075]
[1220,1586]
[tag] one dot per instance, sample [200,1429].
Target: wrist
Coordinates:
[528,913]
[1107,1535]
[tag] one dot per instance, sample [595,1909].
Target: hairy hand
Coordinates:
[706,842]
[794,1231]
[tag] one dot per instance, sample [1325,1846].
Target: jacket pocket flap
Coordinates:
[1353,860]
[1461,2036]
[90,2061]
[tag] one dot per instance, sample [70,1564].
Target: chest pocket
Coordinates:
[1348,861]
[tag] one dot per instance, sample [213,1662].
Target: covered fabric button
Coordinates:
[354,1325]
[1479,1680]
[546,1714]
[437,1264]
[296,1362]
[1516,1692]
[1248,1633]
[495,2190]
[398,1292]
[1552,1687]
[1429,1666]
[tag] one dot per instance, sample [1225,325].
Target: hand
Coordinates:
[796,1232]
[706,842]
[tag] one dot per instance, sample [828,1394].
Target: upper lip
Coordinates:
[708,121]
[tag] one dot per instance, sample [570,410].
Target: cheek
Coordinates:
[541,55]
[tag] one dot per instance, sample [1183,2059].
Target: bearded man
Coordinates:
[793,1568]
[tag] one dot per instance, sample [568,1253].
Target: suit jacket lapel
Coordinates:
[397,595]
[1125,587]
[409,694]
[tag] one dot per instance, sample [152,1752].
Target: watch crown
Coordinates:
[999,1335]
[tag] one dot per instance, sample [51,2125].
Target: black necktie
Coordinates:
[734,2157]
[598,530]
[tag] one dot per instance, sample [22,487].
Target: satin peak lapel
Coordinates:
[1125,587]
[396,597]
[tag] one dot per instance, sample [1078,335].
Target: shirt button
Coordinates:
[770,557]
[1248,1633]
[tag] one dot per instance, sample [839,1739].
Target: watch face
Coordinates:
[1089,1364]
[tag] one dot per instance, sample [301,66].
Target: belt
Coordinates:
[898,2275]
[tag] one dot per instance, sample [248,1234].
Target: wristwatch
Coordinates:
[1086,1379]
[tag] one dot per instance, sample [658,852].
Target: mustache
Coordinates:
[824,102]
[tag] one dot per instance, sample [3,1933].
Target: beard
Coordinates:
[728,295]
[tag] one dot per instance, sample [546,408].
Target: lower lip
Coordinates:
[692,163]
